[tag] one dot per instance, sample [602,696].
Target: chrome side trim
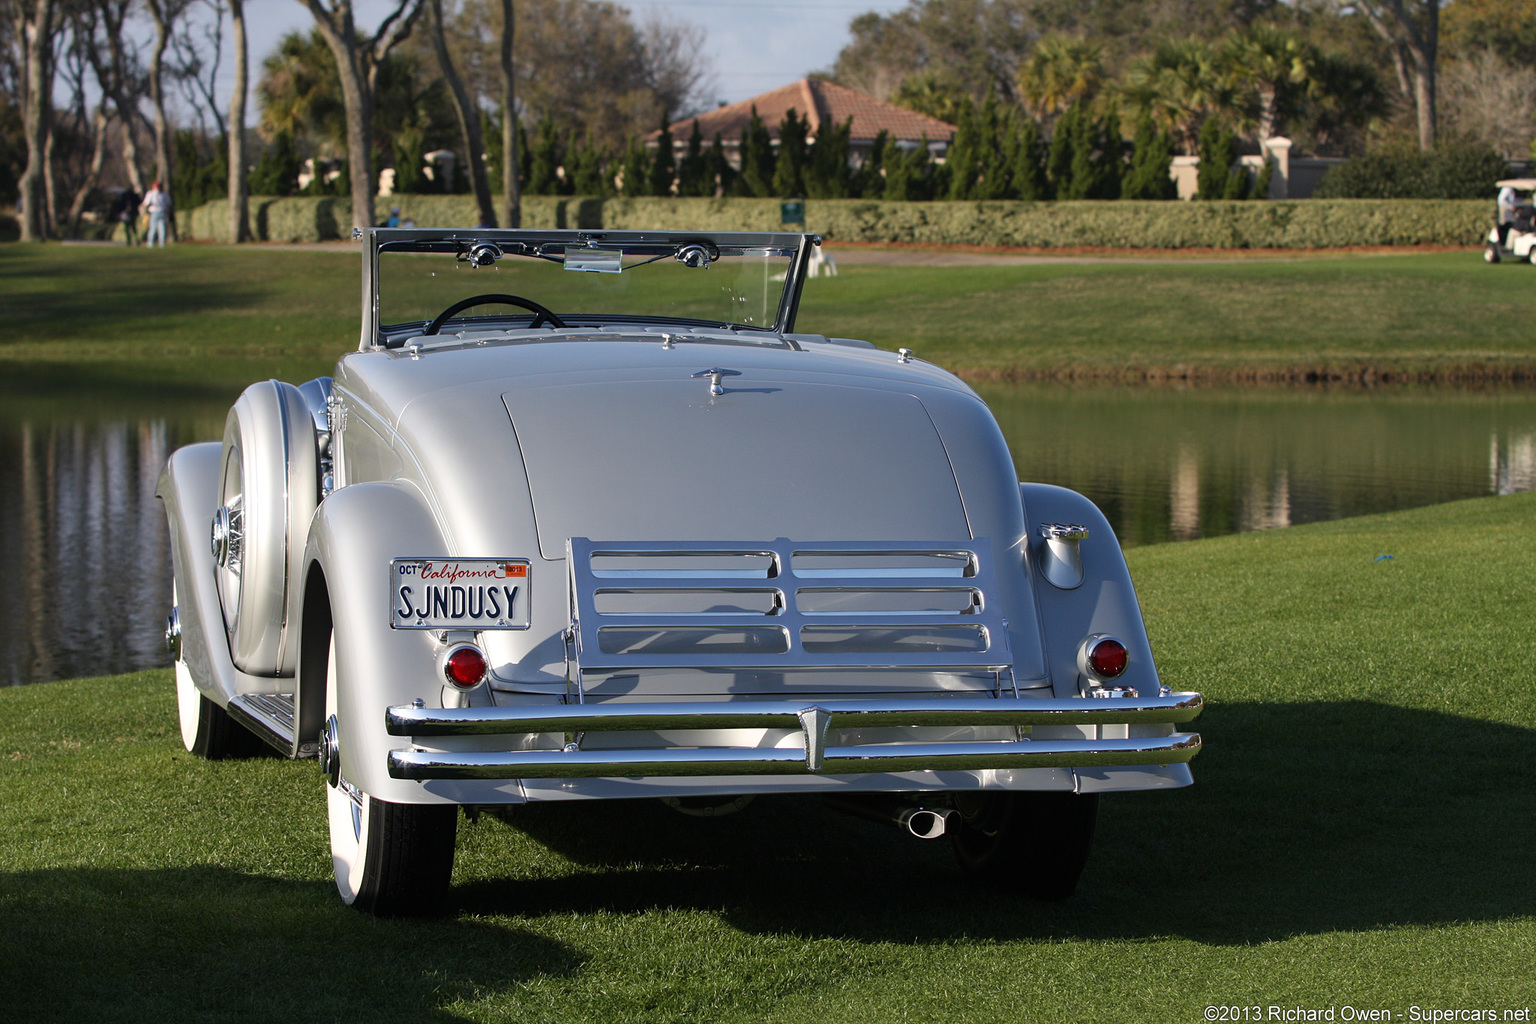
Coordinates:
[408,720]
[421,764]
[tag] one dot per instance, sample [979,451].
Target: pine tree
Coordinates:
[1111,157]
[692,174]
[543,177]
[756,159]
[1025,157]
[907,172]
[870,180]
[789,170]
[1147,176]
[827,175]
[637,168]
[490,128]
[588,161]
[992,164]
[1059,159]
[663,165]
[719,175]
[964,157]
[277,172]
[1218,152]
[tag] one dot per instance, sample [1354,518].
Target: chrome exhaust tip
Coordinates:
[927,824]
[920,822]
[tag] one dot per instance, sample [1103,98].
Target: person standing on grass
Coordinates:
[128,215]
[158,205]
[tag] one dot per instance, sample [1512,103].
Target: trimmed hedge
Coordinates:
[1123,224]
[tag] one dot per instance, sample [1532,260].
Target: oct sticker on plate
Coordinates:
[459,593]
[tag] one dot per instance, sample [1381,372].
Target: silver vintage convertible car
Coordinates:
[585,518]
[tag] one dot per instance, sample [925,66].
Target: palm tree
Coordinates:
[1060,71]
[1179,85]
[1265,62]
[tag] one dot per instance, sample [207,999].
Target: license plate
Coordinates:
[459,593]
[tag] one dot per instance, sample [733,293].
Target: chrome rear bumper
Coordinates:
[815,721]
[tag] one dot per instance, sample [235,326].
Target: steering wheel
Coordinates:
[540,313]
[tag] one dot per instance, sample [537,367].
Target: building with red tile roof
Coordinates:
[824,104]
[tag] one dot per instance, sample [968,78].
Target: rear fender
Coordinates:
[355,534]
[189,487]
[1105,602]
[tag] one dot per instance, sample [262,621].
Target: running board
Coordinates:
[270,716]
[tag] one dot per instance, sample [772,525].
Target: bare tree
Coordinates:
[239,183]
[469,119]
[677,75]
[1411,29]
[511,190]
[1490,101]
[196,73]
[165,14]
[34,28]
[75,66]
[115,61]
[357,61]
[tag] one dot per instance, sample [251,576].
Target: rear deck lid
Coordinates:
[667,460]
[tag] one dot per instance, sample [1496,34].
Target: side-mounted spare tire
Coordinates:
[269,485]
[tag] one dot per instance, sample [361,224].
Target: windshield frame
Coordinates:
[551,245]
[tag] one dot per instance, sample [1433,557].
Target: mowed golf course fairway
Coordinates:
[222,316]
[1360,833]
[1359,840]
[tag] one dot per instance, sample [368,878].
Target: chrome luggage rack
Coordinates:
[784,609]
[781,608]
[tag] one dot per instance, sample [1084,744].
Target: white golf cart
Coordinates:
[1515,238]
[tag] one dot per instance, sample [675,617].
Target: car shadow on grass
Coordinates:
[1304,818]
[209,944]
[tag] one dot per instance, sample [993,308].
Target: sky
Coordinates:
[752,45]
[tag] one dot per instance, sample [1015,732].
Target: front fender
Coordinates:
[1105,602]
[352,538]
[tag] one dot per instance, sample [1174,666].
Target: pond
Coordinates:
[83,540]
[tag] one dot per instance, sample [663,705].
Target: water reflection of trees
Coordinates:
[83,548]
[1171,465]
[1511,463]
[85,564]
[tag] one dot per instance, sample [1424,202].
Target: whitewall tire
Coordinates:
[387,858]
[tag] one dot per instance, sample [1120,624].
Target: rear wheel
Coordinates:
[1490,255]
[388,858]
[1031,843]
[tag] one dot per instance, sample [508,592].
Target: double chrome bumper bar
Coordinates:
[814,720]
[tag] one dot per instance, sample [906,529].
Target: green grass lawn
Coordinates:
[1360,834]
[219,317]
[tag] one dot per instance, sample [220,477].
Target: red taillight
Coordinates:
[1107,657]
[465,666]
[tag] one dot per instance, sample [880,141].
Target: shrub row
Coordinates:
[1302,224]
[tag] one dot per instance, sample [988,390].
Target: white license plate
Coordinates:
[459,593]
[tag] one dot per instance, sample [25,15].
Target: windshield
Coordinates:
[717,280]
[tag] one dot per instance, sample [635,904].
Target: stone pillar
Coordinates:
[1185,173]
[1278,149]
